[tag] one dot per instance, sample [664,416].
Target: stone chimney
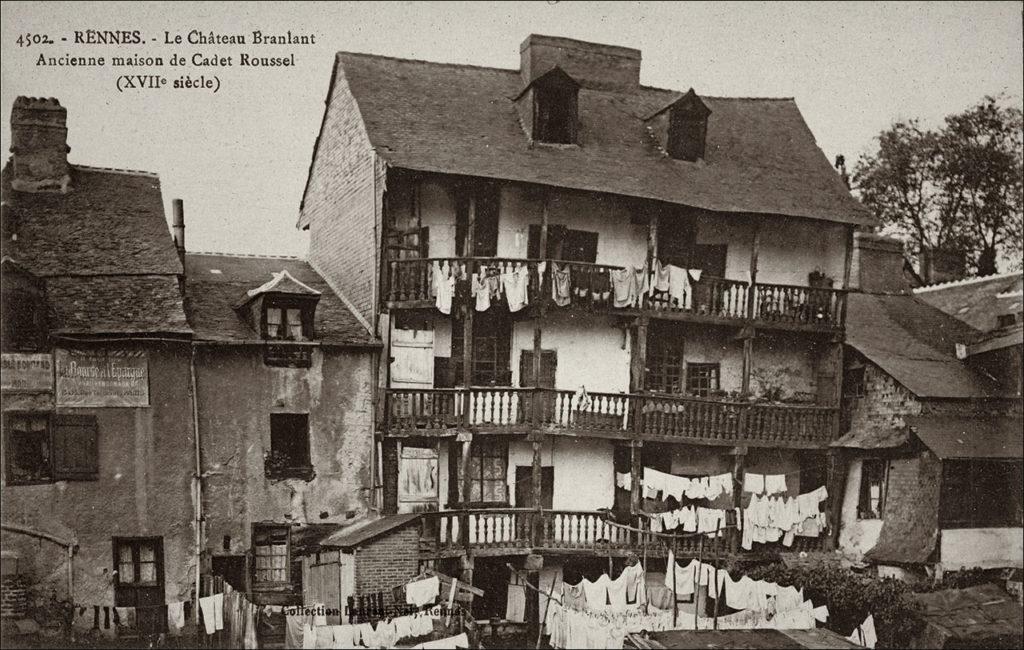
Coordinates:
[39,142]
[592,65]
[942,265]
[178,227]
[878,265]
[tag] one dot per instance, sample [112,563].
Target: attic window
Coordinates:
[286,320]
[687,128]
[555,108]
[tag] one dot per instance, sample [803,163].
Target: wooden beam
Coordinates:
[848,262]
[636,475]
[542,250]
[652,239]
[638,358]
[748,361]
[738,470]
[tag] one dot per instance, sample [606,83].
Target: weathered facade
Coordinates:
[97,431]
[932,445]
[285,415]
[508,416]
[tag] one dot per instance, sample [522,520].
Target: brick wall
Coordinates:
[884,405]
[388,561]
[342,205]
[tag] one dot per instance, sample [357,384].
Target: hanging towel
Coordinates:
[125,617]
[774,483]
[753,483]
[444,287]
[623,287]
[679,286]
[624,480]
[308,636]
[458,641]
[175,618]
[561,283]
[517,288]
[482,290]
[597,593]
[422,592]
[208,605]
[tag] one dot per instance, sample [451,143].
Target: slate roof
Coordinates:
[102,250]
[977,301]
[212,298]
[915,343]
[951,437]
[456,119]
[359,533]
[984,616]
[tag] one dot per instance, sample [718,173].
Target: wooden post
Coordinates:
[467,364]
[536,398]
[638,371]
[738,462]
[836,479]
[755,245]
[848,262]
[748,359]
[652,240]
[536,484]
[466,481]
[636,476]
[532,594]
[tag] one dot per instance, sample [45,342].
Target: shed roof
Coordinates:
[215,283]
[761,157]
[362,532]
[951,437]
[983,616]
[915,343]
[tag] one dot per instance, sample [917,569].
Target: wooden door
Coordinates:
[139,581]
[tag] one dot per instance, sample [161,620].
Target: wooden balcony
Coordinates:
[442,411]
[410,285]
[511,531]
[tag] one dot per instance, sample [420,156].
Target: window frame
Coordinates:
[492,333]
[489,449]
[714,378]
[864,493]
[269,529]
[56,471]
[292,470]
[135,543]
[283,304]
[556,113]
[665,370]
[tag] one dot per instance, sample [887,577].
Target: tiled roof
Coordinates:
[110,223]
[977,301]
[216,283]
[364,531]
[915,343]
[103,251]
[761,157]
[116,304]
[952,437]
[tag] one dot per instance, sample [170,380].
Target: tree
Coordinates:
[956,188]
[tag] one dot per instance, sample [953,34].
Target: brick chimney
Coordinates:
[592,65]
[878,265]
[39,142]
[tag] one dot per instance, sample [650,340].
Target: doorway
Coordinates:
[139,581]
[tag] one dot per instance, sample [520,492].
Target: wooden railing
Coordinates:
[794,305]
[410,283]
[517,529]
[414,411]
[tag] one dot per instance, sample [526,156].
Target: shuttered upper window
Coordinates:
[44,447]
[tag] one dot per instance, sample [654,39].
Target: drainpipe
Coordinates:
[198,480]
[68,544]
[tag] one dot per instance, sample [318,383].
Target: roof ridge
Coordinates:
[246,255]
[116,170]
[444,63]
[966,281]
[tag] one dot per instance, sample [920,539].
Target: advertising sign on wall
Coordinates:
[98,378]
[27,372]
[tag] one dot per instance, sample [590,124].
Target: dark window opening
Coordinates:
[981,493]
[524,487]
[664,372]
[873,484]
[492,345]
[486,199]
[289,446]
[43,447]
[563,244]
[853,382]
[555,114]
[686,135]
[488,467]
[702,379]
[271,553]
[1006,320]
[24,321]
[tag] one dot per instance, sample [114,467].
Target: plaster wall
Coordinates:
[987,548]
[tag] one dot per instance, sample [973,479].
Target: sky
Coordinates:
[239,157]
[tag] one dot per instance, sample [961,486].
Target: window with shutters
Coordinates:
[44,447]
[271,552]
[548,368]
[289,447]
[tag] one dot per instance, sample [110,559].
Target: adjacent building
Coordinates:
[501,231]
[932,442]
[98,443]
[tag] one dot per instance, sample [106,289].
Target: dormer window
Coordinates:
[283,322]
[687,128]
[283,311]
[555,114]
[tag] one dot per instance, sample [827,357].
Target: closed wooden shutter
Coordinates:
[548,367]
[75,447]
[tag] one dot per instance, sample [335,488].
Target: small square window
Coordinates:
[289,447]
[702,378]
[271,553]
